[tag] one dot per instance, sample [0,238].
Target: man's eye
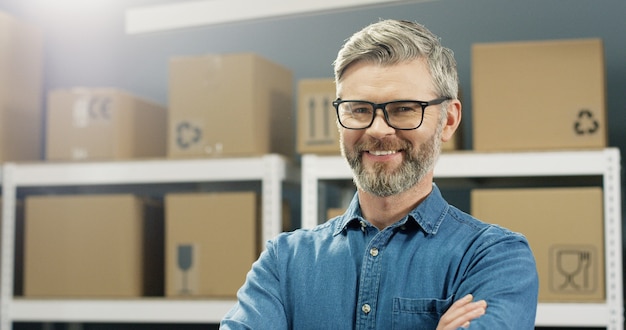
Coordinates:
[404,108]
[361,110]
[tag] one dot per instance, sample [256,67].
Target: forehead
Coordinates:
[373,81]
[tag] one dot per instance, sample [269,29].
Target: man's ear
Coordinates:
[453,120]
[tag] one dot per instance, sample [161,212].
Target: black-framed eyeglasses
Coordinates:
[400,114]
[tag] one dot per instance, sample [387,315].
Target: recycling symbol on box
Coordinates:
[187,134]
[585,123]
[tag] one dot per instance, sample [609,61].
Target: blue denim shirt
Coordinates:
[346,274]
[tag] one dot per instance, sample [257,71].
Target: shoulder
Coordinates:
[304,247]
[490,247]
[487,233]
[304,236]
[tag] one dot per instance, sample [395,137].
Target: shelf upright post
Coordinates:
[273,175]
[613,238]
[8,245]
[309,191]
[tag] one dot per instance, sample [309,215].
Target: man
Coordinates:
[400,257]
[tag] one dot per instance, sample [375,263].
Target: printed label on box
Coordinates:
[89,109]
[188,134]
[586,123]
[186,274]
[573,269]
[321,124]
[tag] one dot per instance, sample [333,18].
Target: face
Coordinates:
[386,161]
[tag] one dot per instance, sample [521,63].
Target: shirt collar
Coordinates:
[429,214]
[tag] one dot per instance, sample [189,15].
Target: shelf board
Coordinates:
[520,164]
[477,164]
[142,171]
[148,310]
[211,311]
[572,314]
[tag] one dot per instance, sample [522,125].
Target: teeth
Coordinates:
[382,152]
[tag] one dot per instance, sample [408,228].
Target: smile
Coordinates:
[382,152]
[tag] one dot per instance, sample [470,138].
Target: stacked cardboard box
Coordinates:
[538,95]
[92,246]
[21,77]
[103,124]
[317,120]
[564,227]
[229,105]
[211,242]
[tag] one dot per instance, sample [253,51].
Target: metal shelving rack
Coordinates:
[270,170]
[604,163]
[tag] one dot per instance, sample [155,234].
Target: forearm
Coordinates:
[462,313]
[506,278]
[259,303]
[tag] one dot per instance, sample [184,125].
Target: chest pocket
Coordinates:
[418,313]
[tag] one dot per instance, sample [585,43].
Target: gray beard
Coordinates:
[382,182]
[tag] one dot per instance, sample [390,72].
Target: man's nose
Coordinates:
[379,127]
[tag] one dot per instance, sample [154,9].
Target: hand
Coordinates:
[461,313]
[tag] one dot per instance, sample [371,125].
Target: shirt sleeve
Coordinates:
[259,301]
[504,273]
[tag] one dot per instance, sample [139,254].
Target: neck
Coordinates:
[385,211]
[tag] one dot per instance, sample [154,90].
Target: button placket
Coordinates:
[370,280]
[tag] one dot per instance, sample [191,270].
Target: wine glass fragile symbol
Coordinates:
[570,263]
[185,256]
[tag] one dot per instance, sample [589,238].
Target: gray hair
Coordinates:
[389,42]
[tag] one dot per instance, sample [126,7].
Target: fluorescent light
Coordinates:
[197,13]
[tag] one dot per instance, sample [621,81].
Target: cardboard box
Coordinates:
[85,246]
[212,239]
[318,132]
[334,212]
[21,83]
[317,119]
[229,105]
[103,124]
[539,95]
[564,227]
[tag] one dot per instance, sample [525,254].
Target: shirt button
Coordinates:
[366,308]
[374,251]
